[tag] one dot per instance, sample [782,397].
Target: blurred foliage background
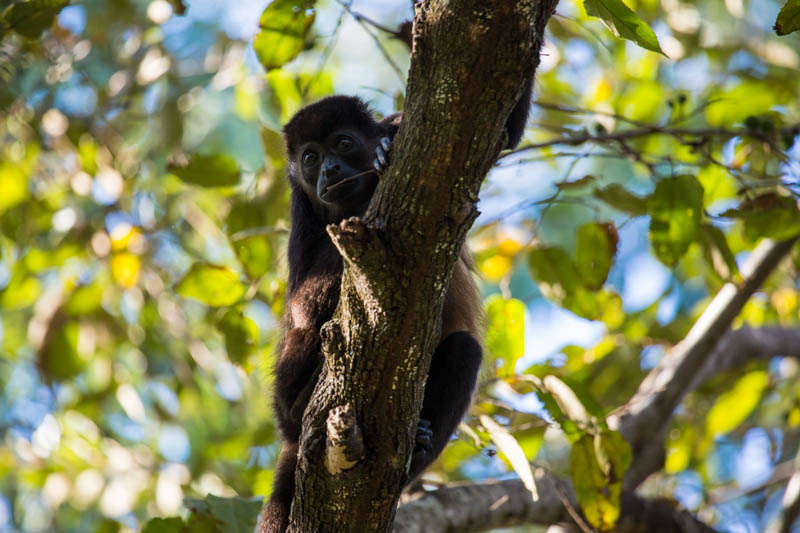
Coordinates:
[143,224]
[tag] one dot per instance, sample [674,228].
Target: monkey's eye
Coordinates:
[344,143]
[310,158]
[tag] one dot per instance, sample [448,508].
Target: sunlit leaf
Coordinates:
[85,299]
[623,22]
[676,209]
[21,291]
[733,105]
[642,100]
[14,184]
[788,18]
[496,267]
[283,28]
[87,152]
[125,267]
[218,170]
[31,17]
[574,400]
[508,446]
[598,495]
[213,285]
[735,405]
[679,450]
[505,336]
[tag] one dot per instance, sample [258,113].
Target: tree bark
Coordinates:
[470,59]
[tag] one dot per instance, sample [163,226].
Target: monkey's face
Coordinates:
[337,173]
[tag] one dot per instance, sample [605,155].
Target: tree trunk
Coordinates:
[469,62]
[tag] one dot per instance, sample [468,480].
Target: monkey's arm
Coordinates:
[515,127]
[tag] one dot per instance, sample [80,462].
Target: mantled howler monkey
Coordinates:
[336,152]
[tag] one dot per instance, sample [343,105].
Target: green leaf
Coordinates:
[164,525]
[218,170]
[676,208]
[213,285]
[716,251]
[623,22]
[14,182]
[508,446]
[505,336]
[620,198]
[241,334]
[595,250]
[598,463]
[735,405]
[22,291]
[284,26]
[255,253]
[732,105]
[554,271]
[789,18]
[238,515]
[772,216]
[32,17]
[59,357]
[85,299]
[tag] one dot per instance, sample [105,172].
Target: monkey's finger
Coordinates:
[377,166]
[386,143]
[381,156]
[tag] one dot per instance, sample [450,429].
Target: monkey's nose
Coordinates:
[331,170]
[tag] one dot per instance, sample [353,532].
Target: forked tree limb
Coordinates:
[642,421]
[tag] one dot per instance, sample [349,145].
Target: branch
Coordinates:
[501,504]
[643,419]
[698,136]
[746,344]
[734,350]
[790,504]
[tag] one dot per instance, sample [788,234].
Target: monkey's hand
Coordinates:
[382,154]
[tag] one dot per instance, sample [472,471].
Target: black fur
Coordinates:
[315,270]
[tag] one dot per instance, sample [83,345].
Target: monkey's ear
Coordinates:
[391,123]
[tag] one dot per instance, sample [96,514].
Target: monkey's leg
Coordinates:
[274,517]
[448,393]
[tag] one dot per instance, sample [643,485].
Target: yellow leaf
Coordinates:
[125,268]
[496,267]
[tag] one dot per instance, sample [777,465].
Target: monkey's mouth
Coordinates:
[334,191]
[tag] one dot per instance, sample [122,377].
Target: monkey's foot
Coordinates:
[423,447]
[382,154]
[422,440]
